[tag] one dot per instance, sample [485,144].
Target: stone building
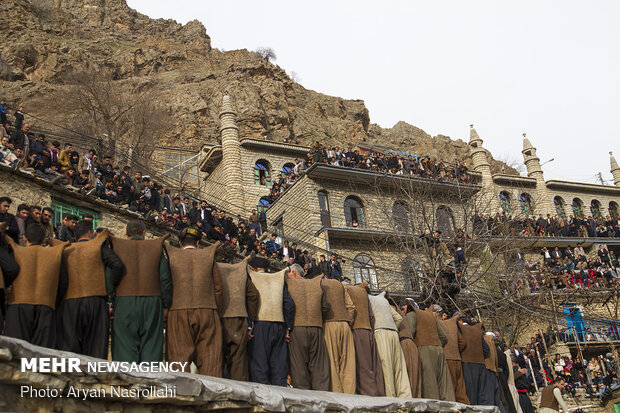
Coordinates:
[366,217]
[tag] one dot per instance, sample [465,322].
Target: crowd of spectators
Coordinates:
[549,226]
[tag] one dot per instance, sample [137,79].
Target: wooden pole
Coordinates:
[542,367]
[555,314]
[533,375]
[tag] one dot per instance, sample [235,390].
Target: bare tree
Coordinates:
[266,53]
[129,115]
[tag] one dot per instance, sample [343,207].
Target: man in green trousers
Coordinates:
[142,298]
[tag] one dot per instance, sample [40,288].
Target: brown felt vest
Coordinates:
[39,271]
[451,350]
[234,280]
[334,293]
[426,332]
[404,329]
[1,280]
[271,292]
[473,337]
[360,300]
[490,361]
[141,259]
[307,296]
[192,277]
[547,399]
[85,268]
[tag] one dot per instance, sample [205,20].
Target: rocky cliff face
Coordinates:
[48,40]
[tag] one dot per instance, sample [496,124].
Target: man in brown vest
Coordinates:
[142,298]
[551,400]
[388,344]
[83,315]
[369,374]
[8,270]
[410,350]
[453,349]
[472,359]
[430,339]
[37,289]
[194,331]
[270,328]
[338,337]
[490,391]
[308,361]
[237,286]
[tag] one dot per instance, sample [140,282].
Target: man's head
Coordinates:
[23,210]
[26,127]
[258,264]
[559,382]
[135,228]
[34,235]
[68,147]
[46,215]
[35,212]
[83,230]
[88,217]
[294,246]
[273,237]
[203,204]
[295,271]
[189,237]
[5,204]
[322,258]
[69,220]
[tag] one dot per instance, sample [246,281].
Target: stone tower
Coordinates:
[481,164]
[615,169]
[543,205]
[231,157]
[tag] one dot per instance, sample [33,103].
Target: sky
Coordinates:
[547,68]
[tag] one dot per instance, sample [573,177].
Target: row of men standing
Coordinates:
[238,321]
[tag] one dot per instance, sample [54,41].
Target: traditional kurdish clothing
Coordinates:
[338,337]
[194,329]
[234,316]
[94,270]
[369,374]
[456,344]
[276,314]
[430,339]
[141,296]
[511,382]
[473,362]
[388,344]
[412,356]
[37,289]
[491,392]
[308,360]
[551,400]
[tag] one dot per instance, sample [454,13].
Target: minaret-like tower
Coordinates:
[531,160]
[615,169]
[542,201]
[490,203]
[478,154]
[231,157]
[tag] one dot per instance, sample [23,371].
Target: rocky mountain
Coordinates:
[46,41]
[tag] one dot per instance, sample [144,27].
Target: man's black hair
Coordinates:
[93,151]
[274,235]
[5,199]
[82,228]
[48,209]
[559,379]
[167,191]
[33,207]
[135,227]
[68,144]
[23,207]
[35,234]
[88,215]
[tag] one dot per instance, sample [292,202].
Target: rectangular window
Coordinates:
[61,208]
[181,167]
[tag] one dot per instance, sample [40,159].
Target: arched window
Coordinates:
[400,215]
[577,207]
[559,206]
[505,202]
[287,169]
[412,274]
[595,208]
[443,218]
[262,173]
[354,212]
[525,202]
[263,204]
[324,208]
[364,270]
[613,210]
